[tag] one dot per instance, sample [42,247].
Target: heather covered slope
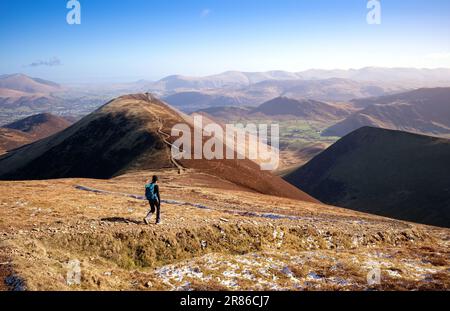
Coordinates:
[390,173]
[129,134]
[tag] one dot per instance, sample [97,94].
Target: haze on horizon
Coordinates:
[121,41]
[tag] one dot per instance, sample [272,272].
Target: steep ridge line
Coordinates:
[164,136]
[196,205]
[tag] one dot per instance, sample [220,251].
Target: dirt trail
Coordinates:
[165,137]
[201,206]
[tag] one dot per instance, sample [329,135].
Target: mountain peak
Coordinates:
[23,83]
[128,134]
[40,125]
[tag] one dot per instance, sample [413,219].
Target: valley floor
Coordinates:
[214,235]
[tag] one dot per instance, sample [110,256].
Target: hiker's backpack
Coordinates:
[150,193]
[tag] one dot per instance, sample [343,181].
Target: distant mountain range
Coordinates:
[423,111]
[236,88]
[334,90]
[22,96]
[389,173]
[409,77]
[190,100]
[374,79]
[307,109]
[23,93]
[229,79]
[20,93]
[282,108]
[22,85]
[412,77]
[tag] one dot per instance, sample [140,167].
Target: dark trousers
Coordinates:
[155,206]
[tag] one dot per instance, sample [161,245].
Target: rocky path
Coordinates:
[165,137]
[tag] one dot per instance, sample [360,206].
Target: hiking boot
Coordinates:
[146,219]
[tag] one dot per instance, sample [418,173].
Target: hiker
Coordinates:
[152,195]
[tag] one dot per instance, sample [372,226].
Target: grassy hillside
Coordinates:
[233,240]
[390,173]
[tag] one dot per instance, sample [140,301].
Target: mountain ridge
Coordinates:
[423,111]
[24,83]
[384,172]
[125,135]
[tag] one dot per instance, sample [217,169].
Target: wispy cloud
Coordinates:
[54,61]
[205,12]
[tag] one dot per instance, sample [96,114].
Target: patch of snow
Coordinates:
[314,276]
[393,273]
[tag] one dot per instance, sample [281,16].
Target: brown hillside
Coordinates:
[128,134]
[40,125]
[305,109]
[384,172]
[23,83]
[214,236]
[11,139]
[423,111]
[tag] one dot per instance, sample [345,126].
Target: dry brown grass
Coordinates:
[45,224]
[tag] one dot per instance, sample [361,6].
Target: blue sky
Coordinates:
[149,39]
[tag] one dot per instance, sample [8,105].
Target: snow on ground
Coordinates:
[286,271]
